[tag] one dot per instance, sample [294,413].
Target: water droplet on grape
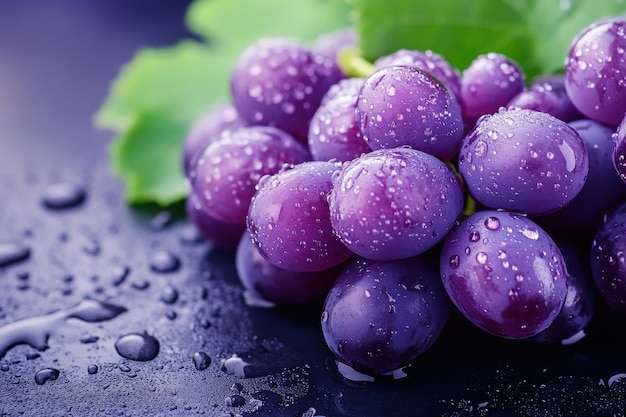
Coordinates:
[474,236]
[481,258]
[532,234]
[454,261]
[492,223]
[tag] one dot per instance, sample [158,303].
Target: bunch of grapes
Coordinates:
[414,189]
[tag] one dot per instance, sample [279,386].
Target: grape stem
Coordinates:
[353,64]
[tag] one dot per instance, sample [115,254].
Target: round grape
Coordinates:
[380,316]
[226,173]
[289,218]
[404,105]
[504,273]
[334,133]
[278,82]
[523,160]
[490,82]
[394,203]
[595,71]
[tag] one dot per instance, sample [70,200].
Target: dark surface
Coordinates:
[56,62]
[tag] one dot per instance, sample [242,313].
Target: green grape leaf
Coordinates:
[139,156]
[158,94]
[534,33]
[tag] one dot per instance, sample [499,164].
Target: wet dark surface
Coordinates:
[111,310]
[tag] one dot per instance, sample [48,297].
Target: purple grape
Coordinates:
[549,96]
[619,150]
[580,301]
[602,189]
[272,283]
[523,160]
[608,262]
[595,71]
[226,173]
[427,61]
[380,316]
[289,218]
[334,132]
[394,203]
[278,82]
[207,129]
[216,232]
[504,273]
[404,105]
[490,82]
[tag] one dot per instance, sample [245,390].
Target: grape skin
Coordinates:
[595,71]
[504,273]
[278,82]
[404,105]
[226,173]
[523,160]
[379,316]
[490,82]
[394,203]
[608,263]
[289,218]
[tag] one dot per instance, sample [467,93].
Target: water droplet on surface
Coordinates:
[63,195]
[92,369]
[235,400]
[164,261]
[35,331]
[47,374]
[169,294]
[234,365]
[161,220]
[13,252]
[119,273]
[201,360]
[137,347]
[351,374]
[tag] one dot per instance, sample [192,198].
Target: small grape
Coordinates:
[278,82]
[404,105]
[490,82]
[226,173]
[289,218]
[504,273]
[329,45]
[334,132]
[380,316]
[394,203]
[523,160]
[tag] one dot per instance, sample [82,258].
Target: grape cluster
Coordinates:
[400,194]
